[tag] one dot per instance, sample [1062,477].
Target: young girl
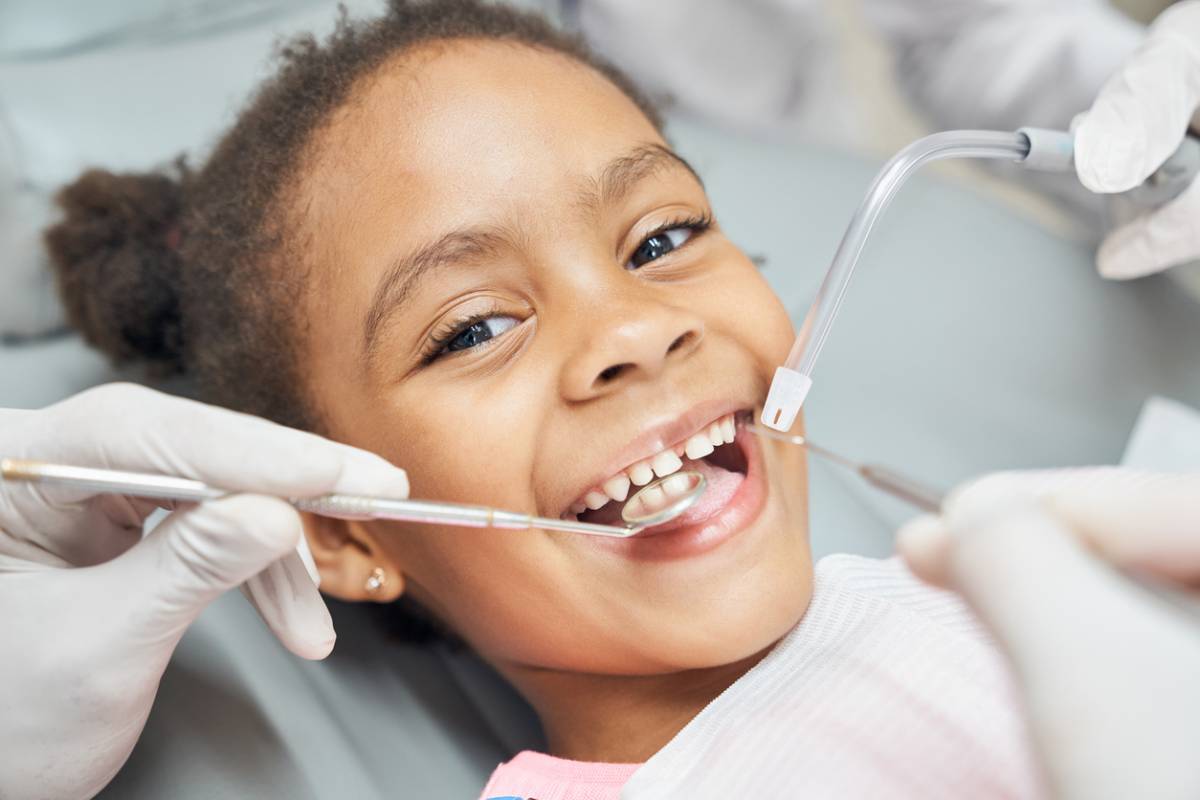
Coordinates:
[453,237]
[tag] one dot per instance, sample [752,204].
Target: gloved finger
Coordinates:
[925,542]
[1160,239]
[123,426]
[288,601]
[1079,636]
[33,541]
[1139,521]
[196,554]
[114,527]
[1142,113]
[1142,522]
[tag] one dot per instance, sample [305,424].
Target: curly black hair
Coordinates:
[194,271]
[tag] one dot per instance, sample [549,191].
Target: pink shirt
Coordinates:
[537,776]
[886,688]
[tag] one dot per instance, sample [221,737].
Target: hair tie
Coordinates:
[173,238]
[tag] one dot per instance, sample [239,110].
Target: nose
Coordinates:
[628,343]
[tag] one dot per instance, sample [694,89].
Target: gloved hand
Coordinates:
[1138,120]
[92,612]
[1110,672]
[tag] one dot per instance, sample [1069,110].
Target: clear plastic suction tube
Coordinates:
[793,380]
[951,144]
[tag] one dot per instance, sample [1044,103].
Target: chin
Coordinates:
[748,619]
[720,611]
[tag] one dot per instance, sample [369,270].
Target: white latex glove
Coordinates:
[92,612]
[1138,120]
[1109,671]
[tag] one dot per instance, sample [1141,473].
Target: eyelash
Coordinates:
[697,224]
[438,340]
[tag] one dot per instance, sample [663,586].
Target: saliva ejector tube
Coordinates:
[1034,148]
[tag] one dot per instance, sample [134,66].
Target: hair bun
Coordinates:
[116,259]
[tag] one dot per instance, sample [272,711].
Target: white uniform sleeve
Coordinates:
[772,66]
[769,66]
[1003,63]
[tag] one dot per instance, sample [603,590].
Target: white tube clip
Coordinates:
[788,390]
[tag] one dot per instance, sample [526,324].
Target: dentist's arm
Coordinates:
[1110,672]
[1006,64]
[1009,63]
[1003,64]
[92,612]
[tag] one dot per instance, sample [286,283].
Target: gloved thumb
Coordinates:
[1155,241]
[196,554]
[1142,113]
[1140,521]
[1147,523]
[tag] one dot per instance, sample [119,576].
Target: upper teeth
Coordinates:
[617,487]
[662,464]
[665,463]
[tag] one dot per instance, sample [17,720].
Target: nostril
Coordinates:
[611,373]
[680,342]
[655,360]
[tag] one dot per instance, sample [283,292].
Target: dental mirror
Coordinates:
[663,500]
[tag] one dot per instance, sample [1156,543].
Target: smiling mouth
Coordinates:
[712,451]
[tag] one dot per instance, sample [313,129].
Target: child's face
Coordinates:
[516,189]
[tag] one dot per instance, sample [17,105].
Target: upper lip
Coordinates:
[661,432]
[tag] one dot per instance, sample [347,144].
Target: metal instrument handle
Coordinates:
[343,506]
[349,506]
[900,486]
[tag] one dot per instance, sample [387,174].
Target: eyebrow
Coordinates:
[616,180]
[620,175]
[468,244]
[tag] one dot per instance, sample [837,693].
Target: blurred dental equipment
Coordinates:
[657,502]
[883,478]
[1034,148]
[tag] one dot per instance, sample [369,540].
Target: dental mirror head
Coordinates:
[664,499]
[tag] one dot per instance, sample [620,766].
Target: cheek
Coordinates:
[466,441]
[463,441]
[743,297]
[473,579]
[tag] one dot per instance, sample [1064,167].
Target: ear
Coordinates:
[352,564]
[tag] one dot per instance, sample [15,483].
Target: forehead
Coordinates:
[448,129]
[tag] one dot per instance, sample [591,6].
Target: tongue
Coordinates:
[721,484]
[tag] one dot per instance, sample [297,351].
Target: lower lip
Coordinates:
[668,542]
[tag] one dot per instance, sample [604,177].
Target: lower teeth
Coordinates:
[724,459]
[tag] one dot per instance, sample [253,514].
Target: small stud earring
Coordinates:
[376,580]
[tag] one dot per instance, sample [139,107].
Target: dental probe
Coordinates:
[882,478]
[930,501]
[1033,148]
[342,506]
